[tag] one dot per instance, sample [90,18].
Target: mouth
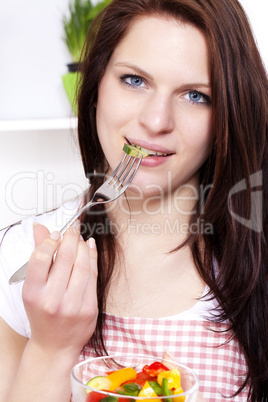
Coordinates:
[150,152]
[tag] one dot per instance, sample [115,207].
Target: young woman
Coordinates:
[178,263]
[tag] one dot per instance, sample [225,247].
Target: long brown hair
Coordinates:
[235,173]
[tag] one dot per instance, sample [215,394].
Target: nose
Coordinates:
[156,115]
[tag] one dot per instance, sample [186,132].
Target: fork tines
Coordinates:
[127,165]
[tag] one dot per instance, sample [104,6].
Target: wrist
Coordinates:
[44,374]
[64,358]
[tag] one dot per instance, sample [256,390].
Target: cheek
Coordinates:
[110,121]
[113,111]
[197,130]
[103,106]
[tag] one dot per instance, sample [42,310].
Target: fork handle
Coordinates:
[78,213]
[20,274]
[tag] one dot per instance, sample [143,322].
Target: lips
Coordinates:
[152,149]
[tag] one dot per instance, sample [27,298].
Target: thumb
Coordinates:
[40,232]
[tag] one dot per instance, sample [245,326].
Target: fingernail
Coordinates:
[91,243]
[55,235]
[167,354]
[35,224]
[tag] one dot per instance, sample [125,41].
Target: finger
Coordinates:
[90,299]
[84,274]
[200,398]
[40,261]
[40,232]
[187,382]
[167,356]
[62,267]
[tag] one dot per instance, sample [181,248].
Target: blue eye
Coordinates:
[136,81]
[132,80]
[196,98]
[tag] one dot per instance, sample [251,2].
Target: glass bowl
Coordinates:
[83,372]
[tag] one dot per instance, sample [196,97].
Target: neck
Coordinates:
[164,217]
[147,274]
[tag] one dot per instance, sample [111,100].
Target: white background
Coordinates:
[33,58]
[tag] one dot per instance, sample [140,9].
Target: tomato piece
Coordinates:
[154,369]
[125,400]
[98,397]
[94,396]
[140,379]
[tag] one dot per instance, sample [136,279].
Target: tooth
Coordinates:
[149,151]
[144,149]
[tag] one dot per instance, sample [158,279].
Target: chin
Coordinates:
[145,190]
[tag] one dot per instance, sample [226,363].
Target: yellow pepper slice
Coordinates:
[173,377]
[120,376]
[148,392]
[179,398]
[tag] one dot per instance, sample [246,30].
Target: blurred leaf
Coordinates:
[75,26]
[97,9]
[77,23]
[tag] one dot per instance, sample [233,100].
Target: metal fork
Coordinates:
[110,190]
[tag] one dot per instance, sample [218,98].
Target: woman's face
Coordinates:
[155,93]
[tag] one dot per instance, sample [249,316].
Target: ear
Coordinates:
[40,232]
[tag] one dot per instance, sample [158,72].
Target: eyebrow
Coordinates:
[136,68]
[142,72]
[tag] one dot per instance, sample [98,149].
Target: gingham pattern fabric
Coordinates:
[196,343]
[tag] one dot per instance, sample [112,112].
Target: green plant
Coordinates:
[76,25]
[77,22]
[97,9]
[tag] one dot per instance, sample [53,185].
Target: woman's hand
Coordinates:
[60,296]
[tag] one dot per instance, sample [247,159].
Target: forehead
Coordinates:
[162,41]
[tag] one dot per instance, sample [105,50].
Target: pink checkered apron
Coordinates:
[198,344]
